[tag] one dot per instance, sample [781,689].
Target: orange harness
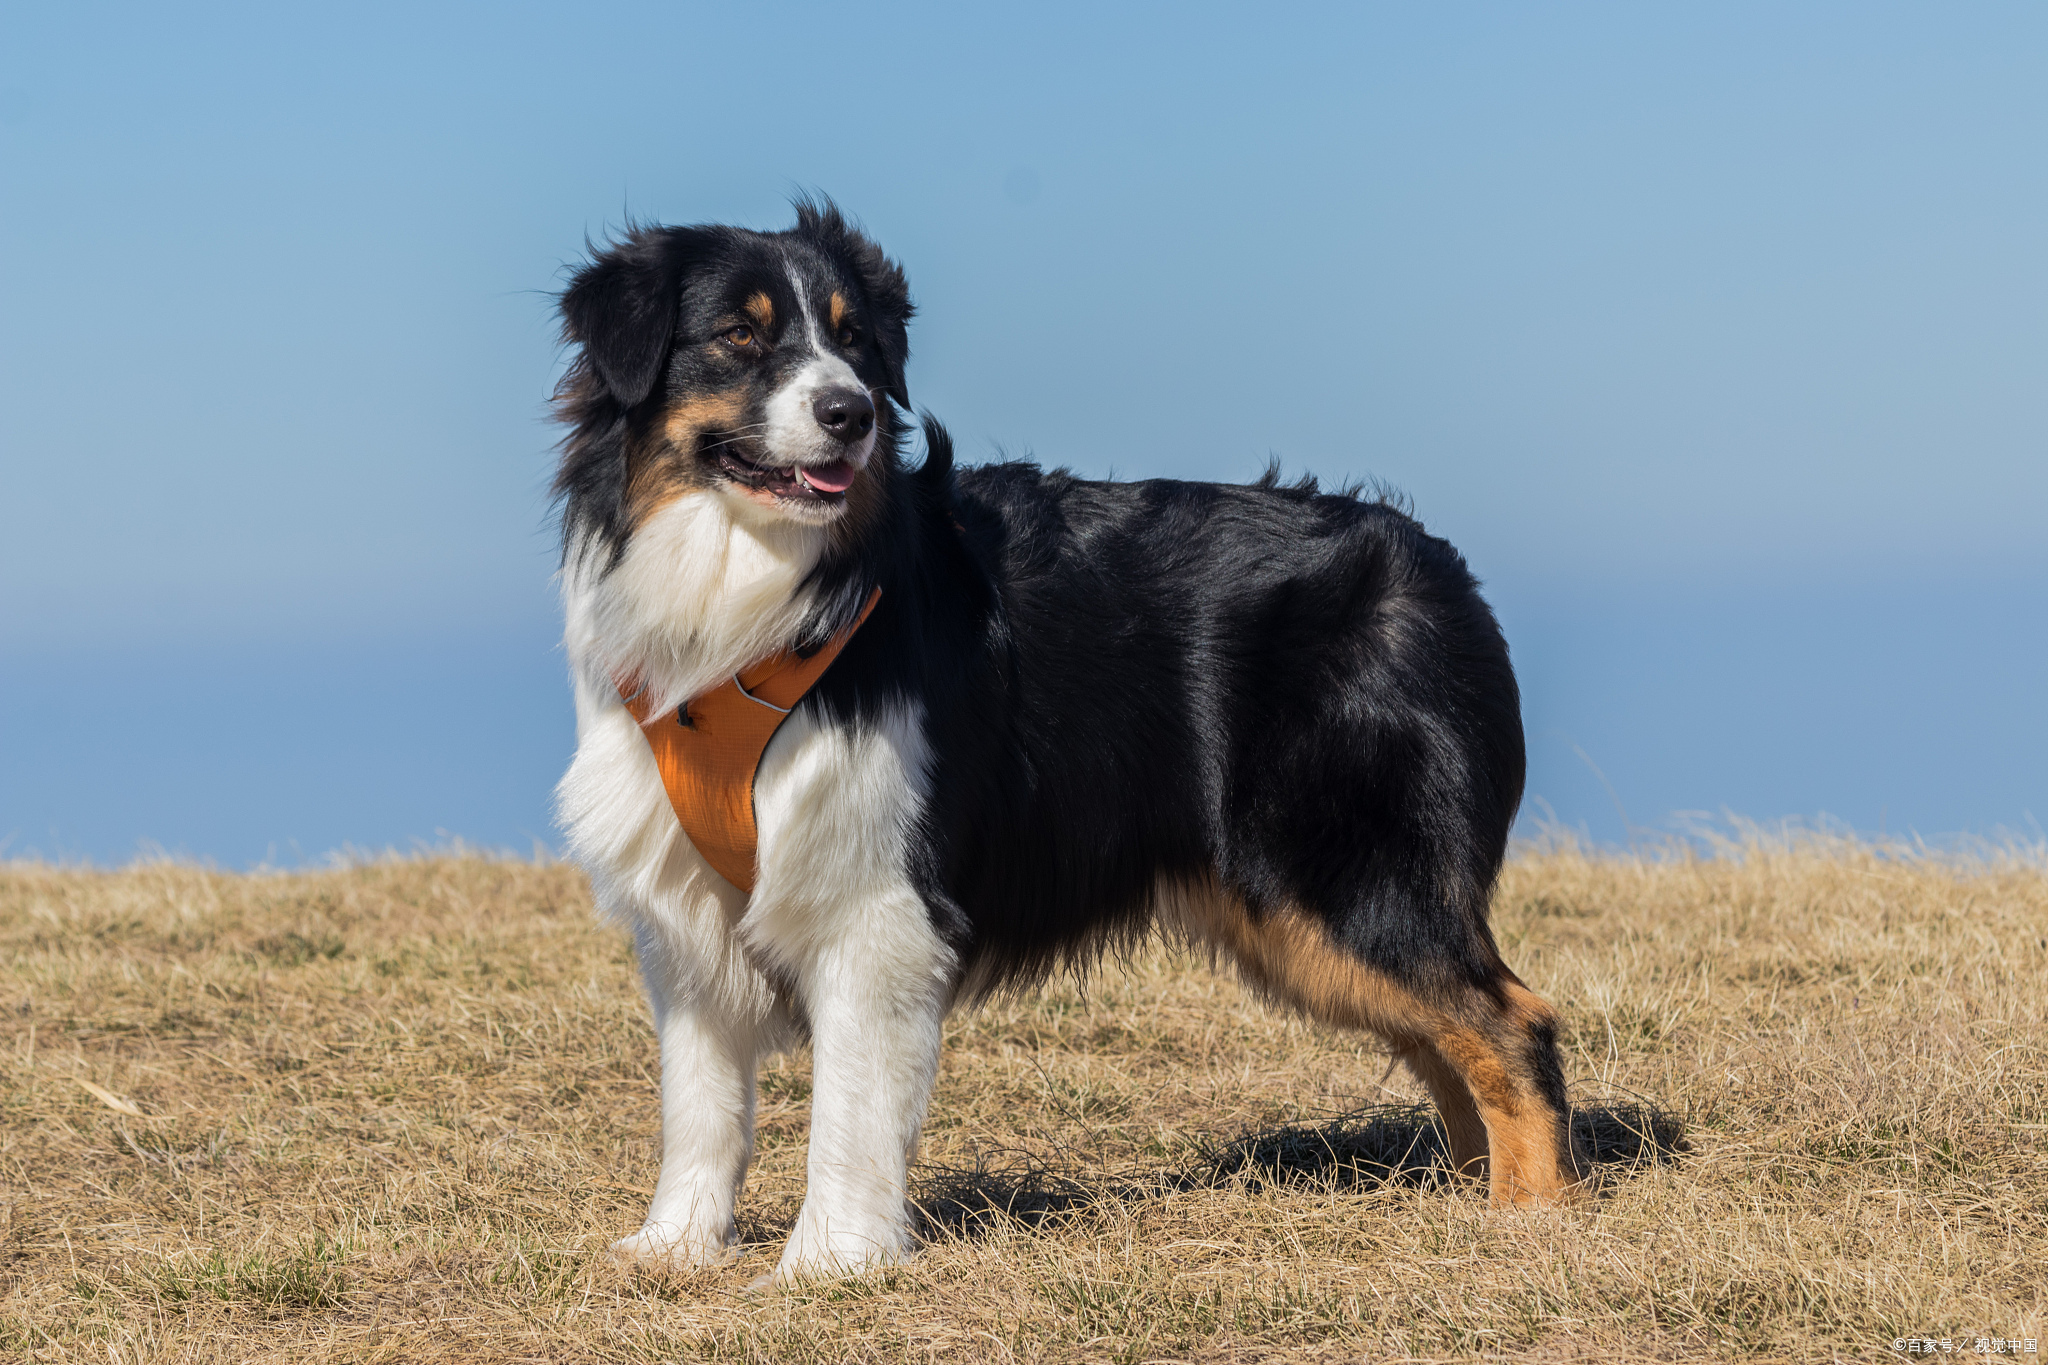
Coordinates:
[708,761]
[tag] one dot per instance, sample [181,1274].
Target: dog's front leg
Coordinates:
[711,1046]
[836,917]
[876,1000]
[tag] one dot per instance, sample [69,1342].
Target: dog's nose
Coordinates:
[846,414]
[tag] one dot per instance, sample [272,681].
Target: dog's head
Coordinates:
[752,366]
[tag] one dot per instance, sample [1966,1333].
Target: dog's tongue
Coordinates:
[836,477]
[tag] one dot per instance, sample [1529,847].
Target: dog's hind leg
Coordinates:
[1500,1040]
[1487,1052]
[1462,1123]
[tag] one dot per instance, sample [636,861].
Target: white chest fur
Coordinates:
[834,933]
[707,584]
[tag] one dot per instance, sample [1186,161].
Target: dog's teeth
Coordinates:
[802,480]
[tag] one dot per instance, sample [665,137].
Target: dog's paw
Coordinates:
[822,1250]
[671,1246]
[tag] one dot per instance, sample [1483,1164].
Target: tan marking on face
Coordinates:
[689,418]
[837,311]
[664,466]
[761,309]
[1469,1051]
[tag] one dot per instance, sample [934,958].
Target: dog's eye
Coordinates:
[740,336]
[847,336]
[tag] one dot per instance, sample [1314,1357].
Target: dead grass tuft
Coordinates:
[396,1110]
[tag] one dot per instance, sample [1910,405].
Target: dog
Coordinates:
[1053,715]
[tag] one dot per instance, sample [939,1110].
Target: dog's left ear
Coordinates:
[889,295]
[621,308]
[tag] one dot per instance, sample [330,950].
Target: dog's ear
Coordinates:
[621,308]
[889,295]
[881,279]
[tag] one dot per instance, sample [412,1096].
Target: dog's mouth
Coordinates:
[823,483]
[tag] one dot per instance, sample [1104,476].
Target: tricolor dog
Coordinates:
[861,739]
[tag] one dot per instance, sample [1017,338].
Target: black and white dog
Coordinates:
[1273,721]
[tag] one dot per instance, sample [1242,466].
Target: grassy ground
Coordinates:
[395,1112]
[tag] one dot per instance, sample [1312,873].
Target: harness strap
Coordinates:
[709,749]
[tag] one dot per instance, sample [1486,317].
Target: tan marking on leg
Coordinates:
[1462,1124]
[1288,957]
[1529,1143]
[1550,1170]
[1476,1060]
[1468,1050]
[761,309]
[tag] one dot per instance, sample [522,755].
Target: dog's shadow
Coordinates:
[1379,1147]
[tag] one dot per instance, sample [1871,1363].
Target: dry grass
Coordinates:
[396,1111]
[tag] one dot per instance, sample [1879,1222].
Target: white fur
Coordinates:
[834,912]
[704,589]
[708,584]
[710,1054]
[794,436]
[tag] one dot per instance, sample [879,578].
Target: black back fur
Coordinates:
[1300,695]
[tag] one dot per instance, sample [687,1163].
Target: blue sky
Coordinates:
[1715,336]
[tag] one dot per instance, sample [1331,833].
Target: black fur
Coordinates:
[1303,693]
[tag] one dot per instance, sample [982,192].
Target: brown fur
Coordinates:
[838,307]
[1467,1050]
[761,309]
[664,466]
